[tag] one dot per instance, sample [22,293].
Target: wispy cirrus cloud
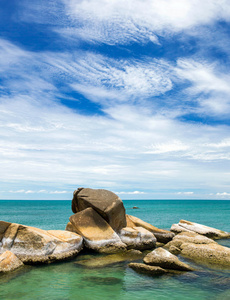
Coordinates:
[139,21]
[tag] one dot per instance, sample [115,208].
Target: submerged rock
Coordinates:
[208,254]
[97,233]
[9,262]
[107,204]
[209,232]
[104,261]
[33,245]
[99,280]
[137,238]
[163,236]
[166,260]
[146,269]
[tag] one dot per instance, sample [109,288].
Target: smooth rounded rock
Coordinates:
[107,204]
[146,269]
[34,245]
[164,259]
[97,233]
[213,255]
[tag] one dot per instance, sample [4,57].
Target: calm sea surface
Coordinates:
[67,280]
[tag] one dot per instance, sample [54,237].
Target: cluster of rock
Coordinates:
[159,262]
[100,223]
[100,218]
[196,242]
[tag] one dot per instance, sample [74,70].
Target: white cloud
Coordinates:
[209,86]
[173,146]
[130,193]
[224,194]
[121,22]
[185,193]
[117,22]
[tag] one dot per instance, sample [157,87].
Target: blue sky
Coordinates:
[131,96]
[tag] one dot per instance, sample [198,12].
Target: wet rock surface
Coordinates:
[146,269]
[164,259]
[111,259]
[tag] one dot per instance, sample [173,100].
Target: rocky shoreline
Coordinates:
[100,224]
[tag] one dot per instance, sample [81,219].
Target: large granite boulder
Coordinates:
[137,238]
[107,204]
[162,236]
[34,245]
[97,233]
[164,259]
[186,237]
[9,262]
[209,232]
[213,255]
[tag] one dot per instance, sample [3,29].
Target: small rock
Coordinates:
[146,269]
[164,259]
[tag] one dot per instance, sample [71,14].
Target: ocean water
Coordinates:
[69,280]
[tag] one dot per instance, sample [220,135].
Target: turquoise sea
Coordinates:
[68,280]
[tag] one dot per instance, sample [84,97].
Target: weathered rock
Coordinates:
[208,254]
[176,228]
[210,232]
[3,226]
[33,245]
[163,236]
[137,238]
[146,269]
[97,233]
[9,262]
[187,237]
[174,250]
[104,261]
[107,204]
[164,259]
[70,227]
